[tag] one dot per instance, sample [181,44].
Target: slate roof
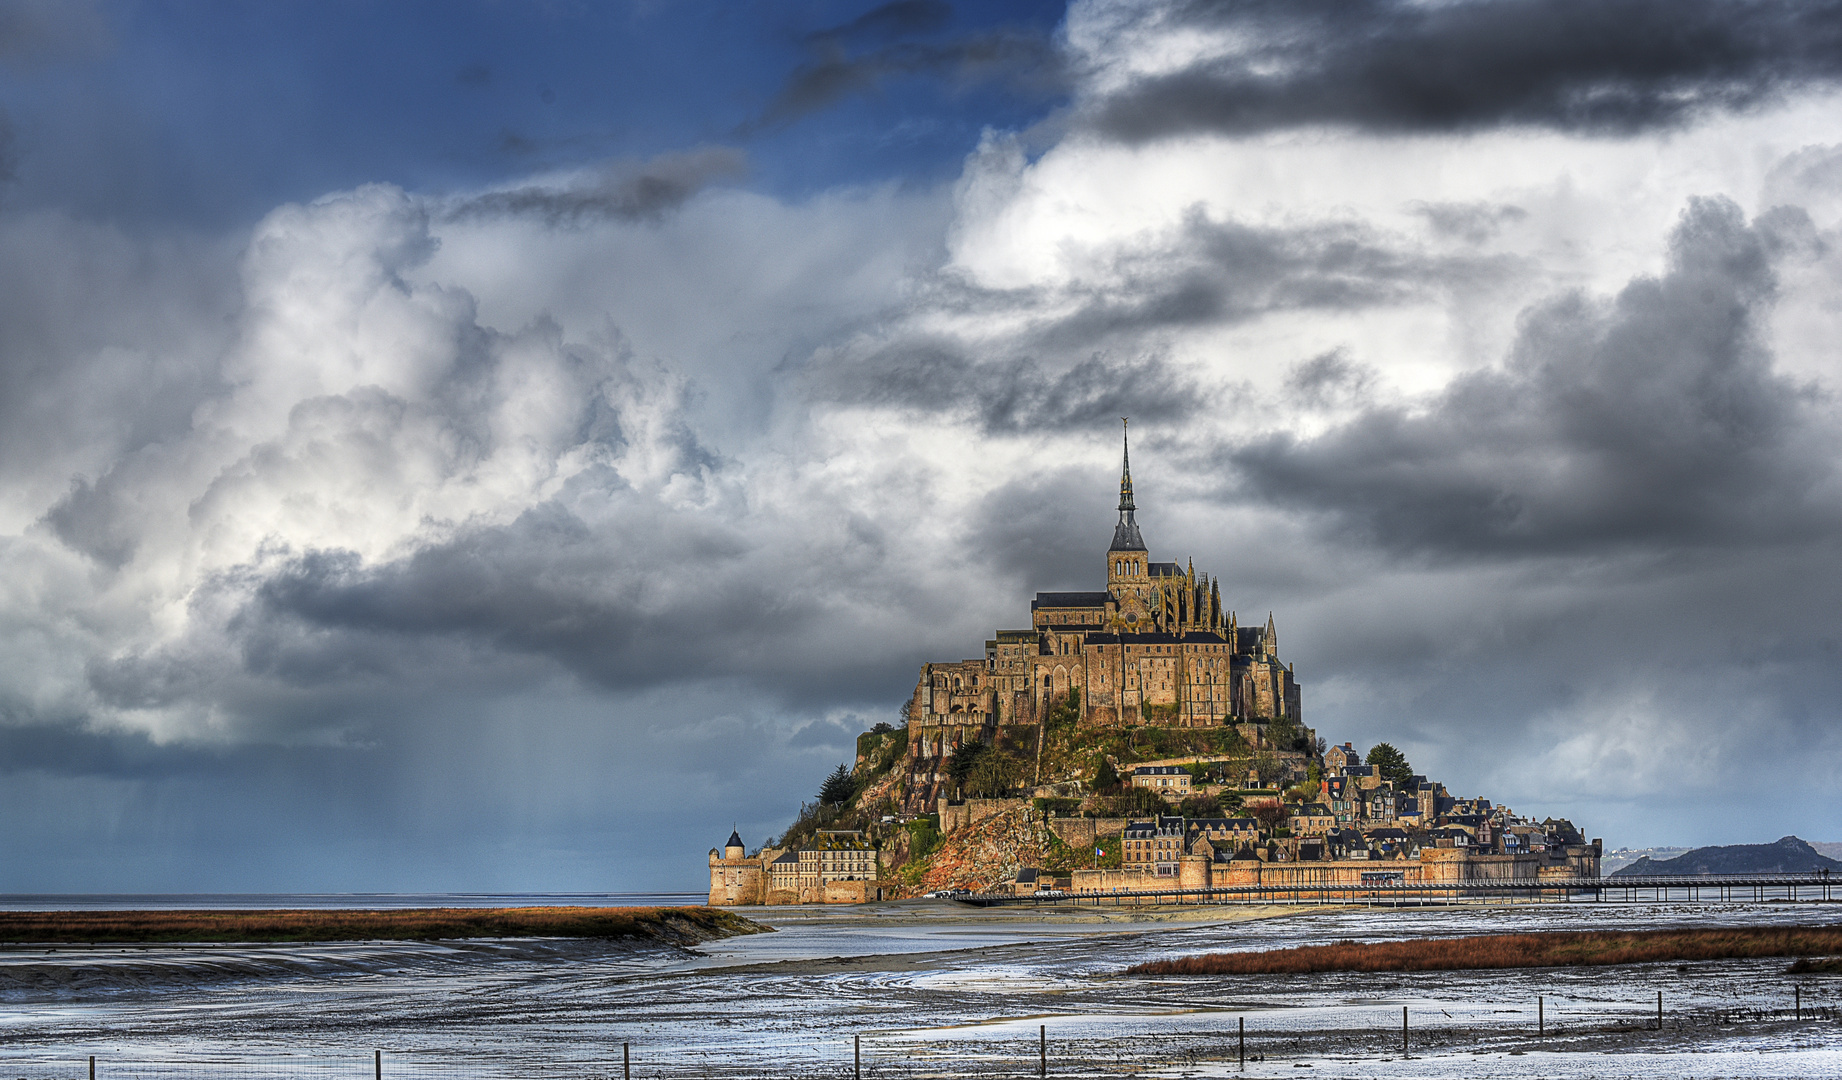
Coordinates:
[1070,600]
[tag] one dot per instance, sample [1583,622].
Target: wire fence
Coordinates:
[1010,1051]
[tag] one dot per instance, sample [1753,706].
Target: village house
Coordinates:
[1168,780]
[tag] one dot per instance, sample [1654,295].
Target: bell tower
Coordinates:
[1128,569]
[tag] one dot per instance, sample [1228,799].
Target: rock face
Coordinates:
[1788,856]
[990,851]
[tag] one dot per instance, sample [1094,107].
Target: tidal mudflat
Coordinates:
[930,988]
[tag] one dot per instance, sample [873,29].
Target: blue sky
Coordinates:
[206,114]
[504,446]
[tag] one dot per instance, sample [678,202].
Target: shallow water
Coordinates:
[942,991]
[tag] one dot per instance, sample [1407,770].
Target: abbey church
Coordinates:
[1155,648]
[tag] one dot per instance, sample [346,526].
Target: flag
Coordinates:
[1099,851]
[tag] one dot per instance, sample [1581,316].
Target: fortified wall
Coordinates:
[1432,867]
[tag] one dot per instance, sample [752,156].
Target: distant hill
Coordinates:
[1788,856]
[1613,861]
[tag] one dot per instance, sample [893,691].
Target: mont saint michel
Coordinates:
[1131,738]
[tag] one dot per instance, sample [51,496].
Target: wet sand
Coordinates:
[926,989]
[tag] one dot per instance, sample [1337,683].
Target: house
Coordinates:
[1153,847]
[1164,779]
[845,855]
[783,874]
[1313,820]
[1338,758]
[1364,777]
[1224,833]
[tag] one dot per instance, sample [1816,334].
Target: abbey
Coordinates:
[1155,648]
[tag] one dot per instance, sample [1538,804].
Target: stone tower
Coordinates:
[1128,564]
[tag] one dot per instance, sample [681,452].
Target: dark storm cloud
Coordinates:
[1047,529]
[889,42]
[604,603]
[621,191]
[1086,352]
[1221,272]
[889,21]
[68,751]
[1472,222]
[645,600]
[1606,66]
[1011,395]
[1655,418]
[1329,380]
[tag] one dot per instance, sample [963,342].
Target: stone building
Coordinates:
[1156,647]
[838,867]
[734,877]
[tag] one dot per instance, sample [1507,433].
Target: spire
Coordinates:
[1125,534]
[1272,636]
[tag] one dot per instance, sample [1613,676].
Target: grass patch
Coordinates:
[1807,966]
[676,925]
[1550,949]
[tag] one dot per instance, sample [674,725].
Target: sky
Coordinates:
[503,446]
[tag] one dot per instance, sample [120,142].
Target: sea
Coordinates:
[910,989]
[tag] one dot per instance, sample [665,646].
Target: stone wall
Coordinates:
[1083,833]
[955,816]
[1435,866]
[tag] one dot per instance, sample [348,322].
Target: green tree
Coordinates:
[993,776]
[965,759]
[1106,778]
[837,788]
[1202,806]
[1140,802]
[1390,764]
[1269,815]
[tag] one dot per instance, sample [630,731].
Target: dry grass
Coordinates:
[1549,949]
[416,924]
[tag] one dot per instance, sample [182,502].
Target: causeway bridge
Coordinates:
[1708,888]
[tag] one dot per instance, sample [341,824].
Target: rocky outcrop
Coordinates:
[990,851]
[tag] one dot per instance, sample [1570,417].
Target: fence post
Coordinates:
[92,1067]
[1799,992]
[626,1061]
[377,1063]
[1042,1050]
[1541,1019]
[1403,1031]
[1659,1010]
[857,1056]
[1243,1042]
